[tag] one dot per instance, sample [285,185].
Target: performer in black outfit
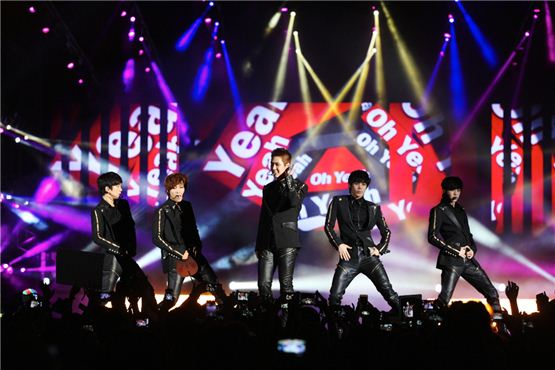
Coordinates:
[175,232]
[277,241]
[357,251]
[113,229]
[448,230]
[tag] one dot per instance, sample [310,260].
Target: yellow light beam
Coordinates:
[303,81]
[407,60]
[282,69]
[272,23]
[359,91]
[379,70]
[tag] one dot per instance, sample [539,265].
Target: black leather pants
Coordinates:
[208,281]
[476,276]
[111,271]
[372,267]
[282,259]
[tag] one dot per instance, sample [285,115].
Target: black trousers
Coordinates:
[372,267]
[475,275]
[111,272]
[205,275]
[284,260]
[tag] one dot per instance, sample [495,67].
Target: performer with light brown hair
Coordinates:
[175,232]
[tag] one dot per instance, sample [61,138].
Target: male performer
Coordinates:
[448,230]
[175,233]
[277,242]
[357,251]
[113,229]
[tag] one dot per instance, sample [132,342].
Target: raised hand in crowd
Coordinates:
[511,291]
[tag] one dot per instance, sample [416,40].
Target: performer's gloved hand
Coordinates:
[185,256]
[289,182]
[462,252]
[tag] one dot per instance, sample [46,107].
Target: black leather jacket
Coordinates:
[339,211]
[174,231]
[448,234]
[113,228]
[281,203]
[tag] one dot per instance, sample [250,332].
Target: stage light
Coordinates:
[222,42]
[141,52]
[442,53]
[376,12]
[8,197]
[211,3]
[70,65]
[284,10]
[45,30]
[550,38]
[147,69]
[9,270]
[9,127]
[26,202]
[32,10]
[141,39]
[536,10]
[374,50]
[279,80]
[218,55]
[447,36]
[185,39]
[526,34]
[17,140]
[131,34]
[407,60]
[5,266]
[501,287]
[379,70]
[207,20]
[1,130]
[293,14]
[80,81]
[202,79]
[217,24]
[16,206]
[132,19]
[295,33]
[535,16]
[23,269]
[123,13]
[458,94]
[128,74]
[451,19]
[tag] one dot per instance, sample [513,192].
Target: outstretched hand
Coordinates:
[511,290]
